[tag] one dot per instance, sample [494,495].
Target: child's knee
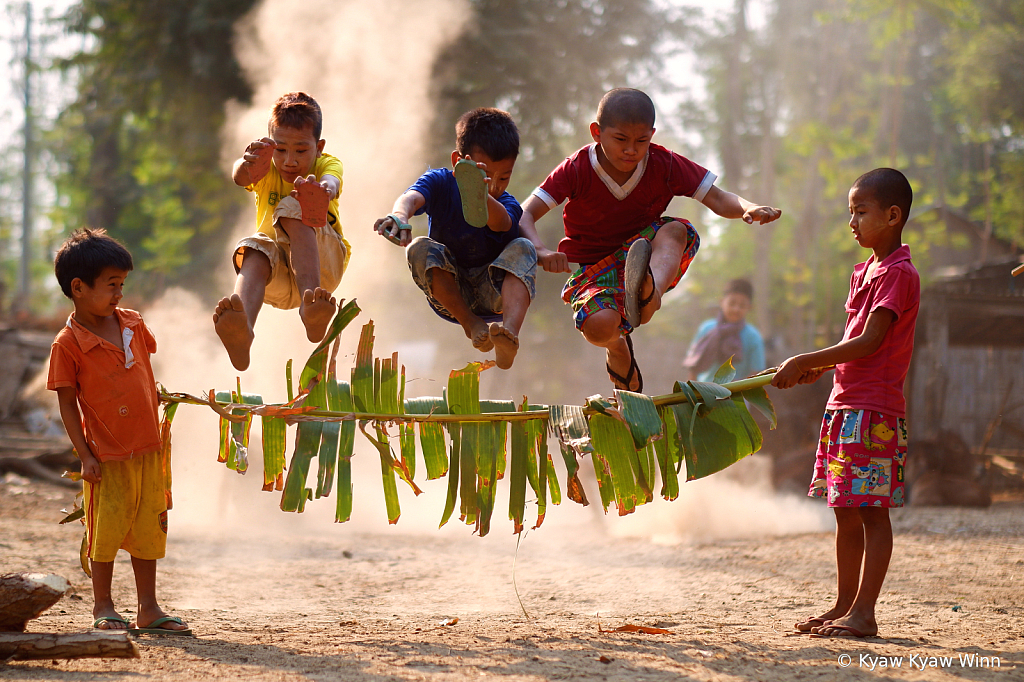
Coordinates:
[674,231]
[602,327]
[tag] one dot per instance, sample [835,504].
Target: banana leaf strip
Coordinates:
[346,444]
[614,443]
[721,437]
[431,435]
[641,415]
[725,373]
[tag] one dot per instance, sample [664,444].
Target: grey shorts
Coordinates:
[480,286]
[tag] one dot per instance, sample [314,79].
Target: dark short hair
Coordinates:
[625,106]
[85,254]
[296,110]
[739,286]
[490,130]
[889,187]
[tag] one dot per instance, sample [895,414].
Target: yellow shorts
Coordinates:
[127,509]
[282,291]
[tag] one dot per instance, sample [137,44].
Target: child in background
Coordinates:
[297,257]
[480,277]
[100,362]
[728,335]
[629,253]
[863,445]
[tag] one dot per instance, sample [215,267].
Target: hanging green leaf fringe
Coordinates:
[632,439]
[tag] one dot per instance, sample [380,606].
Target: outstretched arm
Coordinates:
[67,399]
[405,208]
[732,206]
[533,210]
[255,162]
[806,368]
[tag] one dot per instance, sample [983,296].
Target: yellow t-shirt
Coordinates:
[272,188]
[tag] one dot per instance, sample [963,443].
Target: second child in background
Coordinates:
[482,278]
[728,335]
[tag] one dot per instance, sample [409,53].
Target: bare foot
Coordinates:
[817,621]
[232,325]
[151,617]
[317,310]
[506,345]
[478,333]
[108,619]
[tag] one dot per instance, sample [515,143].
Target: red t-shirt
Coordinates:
[116,390]
[875,382]
[601,214]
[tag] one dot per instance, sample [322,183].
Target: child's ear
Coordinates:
[895,215]
[595,131]
[77,287]
[455,157]
[320,147]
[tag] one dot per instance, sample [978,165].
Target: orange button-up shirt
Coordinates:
[116,388]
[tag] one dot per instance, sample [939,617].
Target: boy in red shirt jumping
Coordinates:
[629,254]
[100,369]
[863,444]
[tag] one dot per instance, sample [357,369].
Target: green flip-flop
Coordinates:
[394,235]
[473,190]
[155,629]
[108,619]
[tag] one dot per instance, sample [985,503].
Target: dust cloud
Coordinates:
[370,72]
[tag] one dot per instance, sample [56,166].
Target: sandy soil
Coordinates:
[323,602]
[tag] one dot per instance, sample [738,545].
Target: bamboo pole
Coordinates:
[326,415]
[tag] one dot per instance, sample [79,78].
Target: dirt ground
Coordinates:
[320,601]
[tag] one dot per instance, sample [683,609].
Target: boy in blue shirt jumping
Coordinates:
[464,270]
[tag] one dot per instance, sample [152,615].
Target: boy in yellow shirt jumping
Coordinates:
[298,255]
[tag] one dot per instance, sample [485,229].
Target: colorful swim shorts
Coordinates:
[861,459]
[602,285]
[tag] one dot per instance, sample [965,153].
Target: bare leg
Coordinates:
[103,602]
[145,585]
[602,329]
[445,289]
[318,306]
[666,252]
[515,300]
[235,316]
[877,544]
[849,556]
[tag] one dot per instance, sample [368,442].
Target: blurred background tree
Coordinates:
[140,145]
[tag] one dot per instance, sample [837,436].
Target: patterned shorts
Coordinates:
[601,286]
[861,459]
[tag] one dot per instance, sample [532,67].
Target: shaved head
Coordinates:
[625,106]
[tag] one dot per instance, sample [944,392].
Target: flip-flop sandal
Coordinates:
[633,369]
[108,619]
[314,202]
[814,621]
[854,632]
[155,629]
[638,266]
[473,190]
[394,234]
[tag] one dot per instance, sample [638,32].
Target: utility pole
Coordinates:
[21,302]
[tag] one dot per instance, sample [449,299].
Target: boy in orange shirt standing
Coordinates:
[100,363]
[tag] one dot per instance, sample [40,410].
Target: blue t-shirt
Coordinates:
[753,351]
[470,246]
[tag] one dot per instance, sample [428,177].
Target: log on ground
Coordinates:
[24,646]
[23,596]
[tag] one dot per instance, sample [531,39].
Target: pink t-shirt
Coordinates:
[875,382]
[601,214]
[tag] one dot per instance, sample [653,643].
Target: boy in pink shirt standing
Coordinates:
[628,252]
[863,445]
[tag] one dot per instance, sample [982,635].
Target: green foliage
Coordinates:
[139,148]
[631,440]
